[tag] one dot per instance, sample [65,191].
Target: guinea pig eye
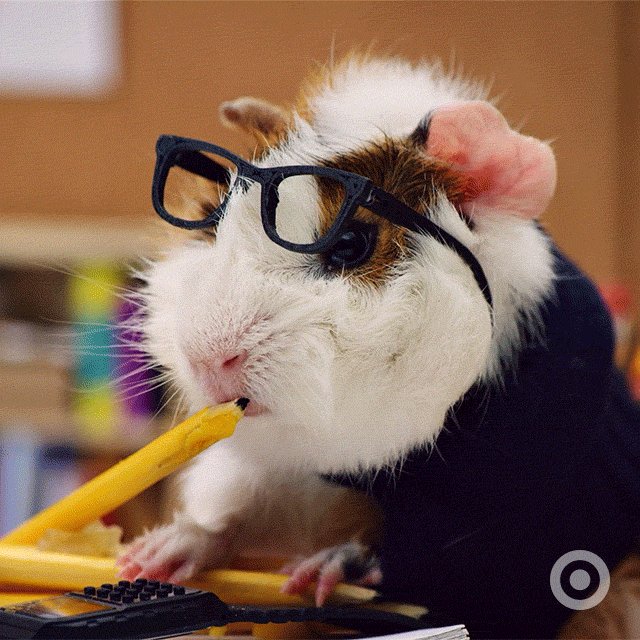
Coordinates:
[353,247]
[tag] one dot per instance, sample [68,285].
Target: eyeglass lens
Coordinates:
[307,207]
[197,184]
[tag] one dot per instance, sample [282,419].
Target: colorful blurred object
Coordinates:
[113,386]
[634,374]
[618,298]
[133,375]
[620,303]
[92,306]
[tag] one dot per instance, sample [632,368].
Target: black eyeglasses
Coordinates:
[220,172]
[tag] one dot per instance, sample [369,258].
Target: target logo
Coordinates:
[579,580]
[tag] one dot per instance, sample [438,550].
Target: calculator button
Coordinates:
[132,592]
[178,590]
[102,593]
[166,585]
[106,585]
[162,593]
[89,591]
[140,581]
[124,583]
[154,583]
[127,599]
[149,589]
[145,595]
[114,596]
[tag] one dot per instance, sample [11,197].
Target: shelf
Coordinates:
[27,241]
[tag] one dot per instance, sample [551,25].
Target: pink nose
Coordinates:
[222,375]
[233,363]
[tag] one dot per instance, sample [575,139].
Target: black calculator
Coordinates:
[153,609]
[139,609]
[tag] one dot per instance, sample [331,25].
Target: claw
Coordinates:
[329,577]
[173,552]
[351,561]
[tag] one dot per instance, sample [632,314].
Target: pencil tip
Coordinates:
[242,403]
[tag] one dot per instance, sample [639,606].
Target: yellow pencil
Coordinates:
[134,474]
[27,567]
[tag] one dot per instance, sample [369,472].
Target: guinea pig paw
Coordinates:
[172,553]
[350,562]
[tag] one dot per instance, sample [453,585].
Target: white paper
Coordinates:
[59,48]
[457,631]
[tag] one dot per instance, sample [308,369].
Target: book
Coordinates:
[18,477]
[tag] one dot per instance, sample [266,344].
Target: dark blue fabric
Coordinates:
[519,476]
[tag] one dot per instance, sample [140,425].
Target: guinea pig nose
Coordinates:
[233,362]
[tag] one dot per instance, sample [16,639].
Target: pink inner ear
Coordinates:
[507,172]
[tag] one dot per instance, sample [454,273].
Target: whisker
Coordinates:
[111,385]
[109,288]
[178,405]
[123,396]
[142,369]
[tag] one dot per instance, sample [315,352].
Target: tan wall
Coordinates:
[557,66]
[628,166]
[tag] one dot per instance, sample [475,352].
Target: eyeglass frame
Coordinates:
[359,192]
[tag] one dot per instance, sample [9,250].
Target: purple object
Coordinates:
[130,368]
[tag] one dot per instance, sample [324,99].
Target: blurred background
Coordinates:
[86,88]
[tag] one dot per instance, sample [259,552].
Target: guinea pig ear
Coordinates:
[503,170]
[267,122]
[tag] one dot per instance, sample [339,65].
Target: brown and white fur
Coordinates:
[345,371]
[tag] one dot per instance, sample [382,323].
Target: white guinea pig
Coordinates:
[351,366]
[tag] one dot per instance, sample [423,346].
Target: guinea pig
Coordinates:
[435,414]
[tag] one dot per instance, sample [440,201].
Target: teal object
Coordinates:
[93,347]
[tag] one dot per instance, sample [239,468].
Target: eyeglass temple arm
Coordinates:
[386,206]
[201,165]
